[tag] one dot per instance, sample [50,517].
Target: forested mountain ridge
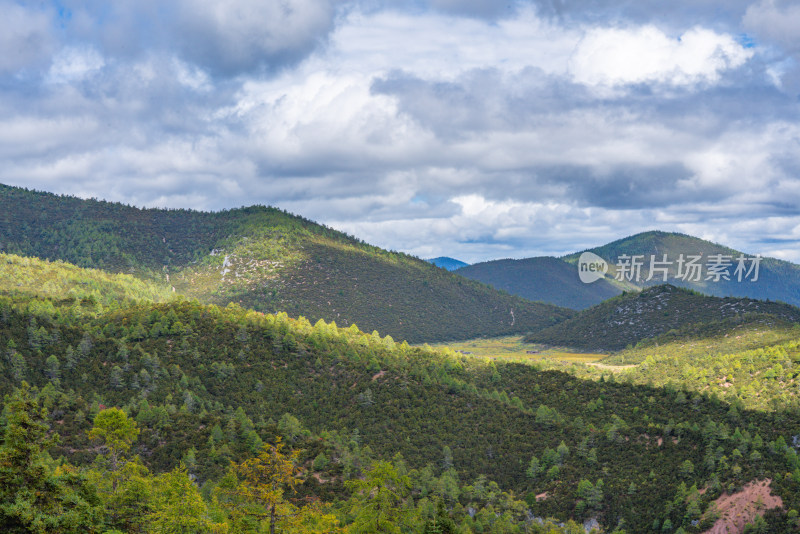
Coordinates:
[637,316]
[207,385]
[268,260]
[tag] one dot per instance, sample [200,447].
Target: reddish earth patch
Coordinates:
[741,508]
[378,375]
[541,496]
[659,440]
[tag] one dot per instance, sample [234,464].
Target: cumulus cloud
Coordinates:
[224,37]
[477,8]
[775,23]
[613,56]
[674,14]
[473,129]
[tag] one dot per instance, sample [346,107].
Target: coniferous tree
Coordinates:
[35,496]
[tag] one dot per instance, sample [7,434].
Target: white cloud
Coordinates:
[30,136]
[325,119]
[73,64]
[417,129]
[616,56]
[775,23]
[191,76]
[482,229]
[442,47]
[25,37]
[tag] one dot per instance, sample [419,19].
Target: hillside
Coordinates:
[451,264]
[752,362]
[633,317]
[207,386]
[543,279]
[72,287]
[777,280]
[753,365]
[267,260]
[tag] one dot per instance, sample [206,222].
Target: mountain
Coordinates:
[131,408]
[206,386]
[543,279]
[268,260]
[633,317]
[451,264]
[777,279]
[549,280]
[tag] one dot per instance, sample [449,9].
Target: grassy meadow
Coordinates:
[513,348]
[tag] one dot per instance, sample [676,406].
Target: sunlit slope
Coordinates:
[268,260]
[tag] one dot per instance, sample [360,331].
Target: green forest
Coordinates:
[192,391]
[132,405]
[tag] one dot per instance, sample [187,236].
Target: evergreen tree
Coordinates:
[379,501]
[34,496]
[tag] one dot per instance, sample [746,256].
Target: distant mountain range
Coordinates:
[451,264]
[556,280]
[542,279]
[268,260]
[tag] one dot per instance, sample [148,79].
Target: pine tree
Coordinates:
[257,487]
[35,497]
[52,368]
[379,500]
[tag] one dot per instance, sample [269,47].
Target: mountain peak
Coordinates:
[448,263]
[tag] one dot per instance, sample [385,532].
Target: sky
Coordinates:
[477,129]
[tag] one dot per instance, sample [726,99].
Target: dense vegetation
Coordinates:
[67,284]
[207,386]
[633,317]
[267,260]
[543,279]
[751,362]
